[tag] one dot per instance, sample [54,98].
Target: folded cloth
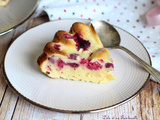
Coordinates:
[128,15]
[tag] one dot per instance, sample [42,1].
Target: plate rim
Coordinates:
[75,111]
[22,21]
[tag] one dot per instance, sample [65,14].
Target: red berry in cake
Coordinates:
[48,68]
[60,63]
[94,65]
[109,65]
[101,60]
[74,65]
[73,56]
[84,61]
[57,47]
[80,42]
[51,60]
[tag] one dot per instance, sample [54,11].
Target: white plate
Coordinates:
[24,76]
[16,12]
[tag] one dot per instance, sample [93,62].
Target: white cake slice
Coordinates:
[77,55]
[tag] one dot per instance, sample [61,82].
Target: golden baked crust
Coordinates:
[80,49]
[81,29]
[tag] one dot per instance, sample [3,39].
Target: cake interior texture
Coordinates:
[77,55]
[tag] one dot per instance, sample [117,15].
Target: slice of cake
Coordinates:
[77,55]
[4,3]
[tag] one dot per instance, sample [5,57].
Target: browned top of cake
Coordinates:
[81,39]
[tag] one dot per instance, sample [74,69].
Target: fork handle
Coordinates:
[155,73]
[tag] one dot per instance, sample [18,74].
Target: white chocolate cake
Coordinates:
[77,55]
[4,3]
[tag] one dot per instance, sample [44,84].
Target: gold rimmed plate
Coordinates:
[24,76]
[15,13]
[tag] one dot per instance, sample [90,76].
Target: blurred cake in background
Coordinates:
[4,3]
